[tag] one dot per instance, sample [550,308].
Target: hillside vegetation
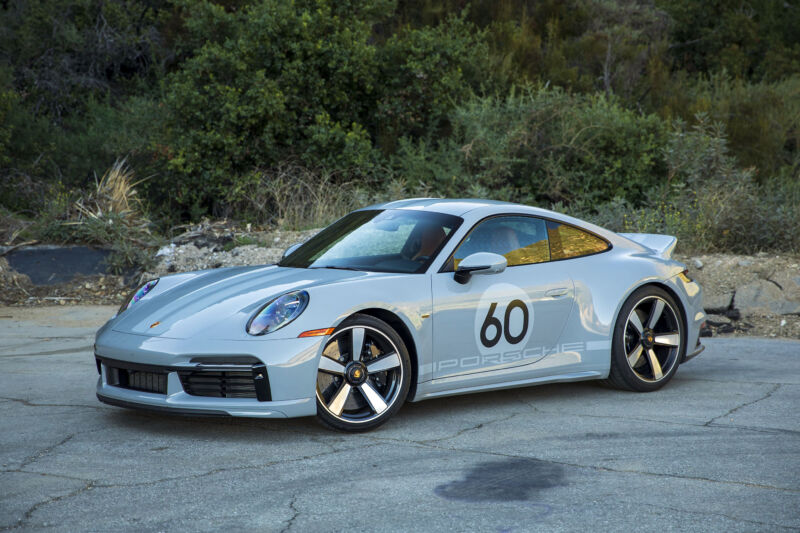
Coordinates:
[673,116]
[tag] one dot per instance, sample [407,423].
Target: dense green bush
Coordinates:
[423,74]
[65,51]
[542,145]
[708,201]
[71,72]
[302,80]
[288,79]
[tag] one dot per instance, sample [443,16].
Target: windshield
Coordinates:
[393,240]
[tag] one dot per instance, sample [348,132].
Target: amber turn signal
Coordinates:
[317,332]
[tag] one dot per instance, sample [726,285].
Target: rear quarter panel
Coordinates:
[602,284]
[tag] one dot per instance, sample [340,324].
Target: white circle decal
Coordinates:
[503,319]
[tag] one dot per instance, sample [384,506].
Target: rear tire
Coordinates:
[648,343]
[364,375]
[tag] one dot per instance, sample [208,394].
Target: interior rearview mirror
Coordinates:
[479,263]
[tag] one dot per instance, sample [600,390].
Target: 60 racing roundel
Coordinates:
[503,319]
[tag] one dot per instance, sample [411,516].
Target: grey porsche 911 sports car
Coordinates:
[406,301]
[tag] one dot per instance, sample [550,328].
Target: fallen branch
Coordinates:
[12,248]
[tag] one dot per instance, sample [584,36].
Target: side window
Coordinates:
[568,241]
[521,240]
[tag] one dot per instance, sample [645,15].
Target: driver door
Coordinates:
[503,320]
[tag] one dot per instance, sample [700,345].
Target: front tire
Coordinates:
[649,341]
[364,375]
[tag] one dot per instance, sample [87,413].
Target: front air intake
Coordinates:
[136,377]
[227,381]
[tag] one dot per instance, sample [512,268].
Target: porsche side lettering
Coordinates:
[527,356]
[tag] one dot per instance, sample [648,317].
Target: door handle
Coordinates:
[555,293]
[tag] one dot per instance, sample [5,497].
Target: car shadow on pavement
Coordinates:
[227,428]
[415,421]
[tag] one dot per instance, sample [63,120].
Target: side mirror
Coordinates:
[479,263]
[291,249]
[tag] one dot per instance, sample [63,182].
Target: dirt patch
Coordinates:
[98,289]
[88,316]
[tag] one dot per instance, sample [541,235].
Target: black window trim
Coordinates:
[447,266]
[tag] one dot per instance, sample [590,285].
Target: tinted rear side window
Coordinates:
[568,241]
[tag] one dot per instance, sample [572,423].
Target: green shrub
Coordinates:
[762,120]
[709,202]
[542,145]
[306,81]
[424,73]
[65,52]
[286,79]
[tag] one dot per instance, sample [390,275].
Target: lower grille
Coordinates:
[127,378]
[241,378]
[219,384]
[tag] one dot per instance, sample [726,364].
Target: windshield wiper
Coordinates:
[334,267]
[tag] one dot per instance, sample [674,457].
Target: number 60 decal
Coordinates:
[503,329]
[504,319]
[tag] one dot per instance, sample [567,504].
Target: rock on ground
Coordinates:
[186,257]
[756,294]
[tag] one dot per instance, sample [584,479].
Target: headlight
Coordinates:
[138,295]
[278,313]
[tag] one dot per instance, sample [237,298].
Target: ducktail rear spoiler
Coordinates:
[662,245]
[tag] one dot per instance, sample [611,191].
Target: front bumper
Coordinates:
[180,402]
[259,378]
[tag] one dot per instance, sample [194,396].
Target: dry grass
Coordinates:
[294,197]
[110,215]
[114,196]
[11,228]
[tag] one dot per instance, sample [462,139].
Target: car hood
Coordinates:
[217,303]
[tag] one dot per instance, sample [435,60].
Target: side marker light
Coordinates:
[317,332]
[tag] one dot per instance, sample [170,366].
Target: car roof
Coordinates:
[461,206]
[456,206]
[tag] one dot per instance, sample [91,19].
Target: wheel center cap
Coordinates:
[648,338]
[356,373]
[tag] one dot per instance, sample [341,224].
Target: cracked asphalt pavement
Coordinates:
[718,449]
